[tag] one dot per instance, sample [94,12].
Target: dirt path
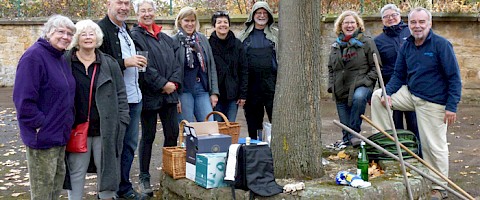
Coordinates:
[463,136]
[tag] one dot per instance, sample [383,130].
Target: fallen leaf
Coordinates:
[458,161]
[472,172]
[463,173]
[17,194]
[466,166]
[3,188]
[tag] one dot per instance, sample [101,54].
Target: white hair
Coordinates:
[81,27]
[54,22]
[138,3]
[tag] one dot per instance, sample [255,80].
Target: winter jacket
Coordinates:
[163,66]
[345,77]
[430,71]
[43,95]
[232,66]
[112,106]
[388,43]
[210,63]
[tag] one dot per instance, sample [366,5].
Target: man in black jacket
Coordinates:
[118,43]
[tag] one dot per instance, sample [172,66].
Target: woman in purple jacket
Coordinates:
[43,94]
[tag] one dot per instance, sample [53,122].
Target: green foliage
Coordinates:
[79,9]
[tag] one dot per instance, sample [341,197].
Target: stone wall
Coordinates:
[461,30]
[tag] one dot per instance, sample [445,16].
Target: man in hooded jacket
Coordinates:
[260,42]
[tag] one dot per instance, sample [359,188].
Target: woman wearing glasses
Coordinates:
[43,96]
[200,87]
[107,112]
[352,74]
[388,43]
[159,85]
[232,68]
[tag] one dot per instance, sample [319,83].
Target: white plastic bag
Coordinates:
[267,132]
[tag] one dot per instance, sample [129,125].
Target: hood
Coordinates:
[256,6]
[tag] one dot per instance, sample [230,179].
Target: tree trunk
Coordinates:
[296,128]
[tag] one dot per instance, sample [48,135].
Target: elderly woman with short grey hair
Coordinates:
[159,85]
[107,112]
[43,95]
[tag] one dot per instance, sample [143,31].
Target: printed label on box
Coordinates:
[210,170]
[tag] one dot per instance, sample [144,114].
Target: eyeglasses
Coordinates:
[64,32]
[87,35]
[143,11]
[221,13]
[349,23]
[393,15]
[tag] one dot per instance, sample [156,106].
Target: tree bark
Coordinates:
[296,128]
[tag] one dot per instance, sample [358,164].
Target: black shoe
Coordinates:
[146,188]
[132,195]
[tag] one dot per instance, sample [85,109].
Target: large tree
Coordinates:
[296,129]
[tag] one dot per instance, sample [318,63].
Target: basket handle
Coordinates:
[180,131]
[225,119]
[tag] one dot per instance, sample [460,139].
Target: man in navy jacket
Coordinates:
[426,80]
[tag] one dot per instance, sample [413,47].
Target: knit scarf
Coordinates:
[349,44]
[191,44]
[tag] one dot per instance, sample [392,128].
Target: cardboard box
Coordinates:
[190,171]
[206,144]
[210,170]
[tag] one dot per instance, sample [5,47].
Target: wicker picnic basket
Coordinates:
[227,127]
[174,158]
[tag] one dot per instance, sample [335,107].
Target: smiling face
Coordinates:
[349,25]
[188,24]
[60,38]
[118,10]
[87,39]
[391,17]
[261,18]
[146,14]
[419,24]
[221,26]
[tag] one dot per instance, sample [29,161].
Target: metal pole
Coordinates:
[419,159]
[390,117]
[425,175]
[362,5]
[89,8]
[171,8]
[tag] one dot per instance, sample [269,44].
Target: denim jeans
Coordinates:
[350,115]
[229,108]
[195,105]
[130,142]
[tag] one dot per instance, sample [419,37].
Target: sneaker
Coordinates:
[438,194]
[355,141]
[146,188]
[133,195]
[339,145]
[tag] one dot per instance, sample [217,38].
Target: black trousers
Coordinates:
[254,112]
[168,117]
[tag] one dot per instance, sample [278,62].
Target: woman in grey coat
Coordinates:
[108,114]
[200,87]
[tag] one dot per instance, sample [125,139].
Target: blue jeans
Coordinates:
[350,115]
[229,108]
[130,142]
[195,105]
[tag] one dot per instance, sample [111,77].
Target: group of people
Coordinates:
[421,74]
[90,71]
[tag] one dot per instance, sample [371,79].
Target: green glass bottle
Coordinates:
[362,163]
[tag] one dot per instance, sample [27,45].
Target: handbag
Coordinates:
[79,134]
